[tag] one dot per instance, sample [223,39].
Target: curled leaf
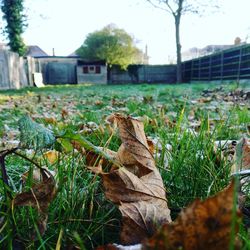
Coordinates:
[137,186]
[203,225]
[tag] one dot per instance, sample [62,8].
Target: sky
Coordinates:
[64,24]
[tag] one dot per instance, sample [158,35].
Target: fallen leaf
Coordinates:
[227,152]
[39,196]
[137,187]
[50,120]
[205,100]
[245,153]
[64,113]
[202,225]
[76,145]
[98,102]
[107,247]
[238,153]
[51,156]
[93,159]
[120,247]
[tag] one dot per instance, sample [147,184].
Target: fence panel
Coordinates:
[231,64]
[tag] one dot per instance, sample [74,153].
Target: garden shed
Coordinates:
[92,71]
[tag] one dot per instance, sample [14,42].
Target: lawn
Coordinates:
[184,122]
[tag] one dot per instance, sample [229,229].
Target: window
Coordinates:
[98,69]
[85,70]
[91,69]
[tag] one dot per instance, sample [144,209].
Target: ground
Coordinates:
[191,126]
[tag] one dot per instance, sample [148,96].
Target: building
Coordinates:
[35,51]
[91,71]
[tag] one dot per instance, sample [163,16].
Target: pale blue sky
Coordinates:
[67,22]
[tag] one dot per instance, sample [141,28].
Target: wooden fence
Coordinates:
[231,64]
[14,71]
[143,74]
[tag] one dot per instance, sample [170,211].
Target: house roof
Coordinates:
[91,62]
[35,51]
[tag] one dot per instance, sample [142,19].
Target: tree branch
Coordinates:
[170,8]
[158,7]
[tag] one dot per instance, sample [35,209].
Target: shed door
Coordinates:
[60,73]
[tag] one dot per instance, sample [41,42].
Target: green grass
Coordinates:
[80,215]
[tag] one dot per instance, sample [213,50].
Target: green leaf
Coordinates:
[67,146]
[34,135]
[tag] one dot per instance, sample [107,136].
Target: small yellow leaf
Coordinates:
[51,156]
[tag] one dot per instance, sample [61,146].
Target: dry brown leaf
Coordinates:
[39,196]
[107,247]
[77,145]
[169,123]
[245,153]
[137,188]
[93,159]
[50,120]
[227,150]
[239,154]
[98,102]
[204,100]
[203,225]
[111,123]
[64,113]
[151,146]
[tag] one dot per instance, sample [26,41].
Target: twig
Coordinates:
[3,170]
[28,159]
[3,154]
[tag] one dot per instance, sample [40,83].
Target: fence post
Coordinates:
[222,66]
[199,70]
[210,68]
[191,73]
[239,67]
[183,70]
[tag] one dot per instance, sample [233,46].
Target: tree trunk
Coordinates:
[109,73]
[178,48]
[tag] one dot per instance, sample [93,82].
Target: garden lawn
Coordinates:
[185,123]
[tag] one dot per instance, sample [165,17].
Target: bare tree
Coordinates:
[177,8]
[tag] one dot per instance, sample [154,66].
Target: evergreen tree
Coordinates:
[15,24]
